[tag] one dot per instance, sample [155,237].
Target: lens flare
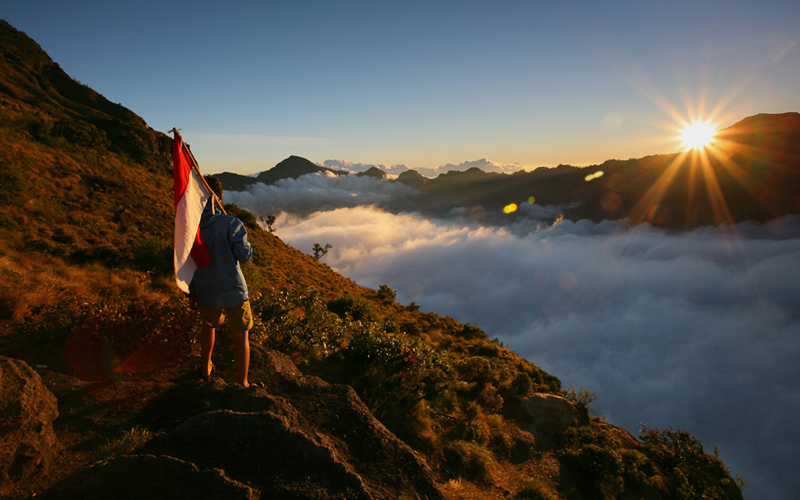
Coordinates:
[510,208]
[593,176]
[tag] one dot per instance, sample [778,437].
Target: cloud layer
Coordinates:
[318,192]
[697,331]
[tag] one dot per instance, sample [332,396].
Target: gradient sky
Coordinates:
[425,83]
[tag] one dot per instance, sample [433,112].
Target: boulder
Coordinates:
[146,477]
[267,364]
[27,412]
[547,417]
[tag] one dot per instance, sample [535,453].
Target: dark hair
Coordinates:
[215,185]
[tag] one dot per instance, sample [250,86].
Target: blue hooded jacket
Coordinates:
[221,284]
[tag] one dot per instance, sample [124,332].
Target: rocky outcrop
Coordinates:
[547,417]
[277,451]
[297,438]
[27,412]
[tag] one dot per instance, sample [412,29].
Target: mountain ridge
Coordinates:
[753,167]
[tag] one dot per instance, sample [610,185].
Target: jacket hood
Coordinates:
[210,214]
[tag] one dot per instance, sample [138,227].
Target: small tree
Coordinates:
[386,294]
[320,251]
[268,221]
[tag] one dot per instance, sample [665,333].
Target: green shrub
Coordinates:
[298,323]
[639,472]
[154,254]
[261,257]
[105,254]
[12,183]
[253,277]
[522,385]
[597,462]
[386,294]
[46,246]
[357,308]
[469,460]
[40,130]
[686,466]
[577,437]
[472,332]
[593,454]
[536,490]
[8,221]
[79,133]
[582,398]
[599,468]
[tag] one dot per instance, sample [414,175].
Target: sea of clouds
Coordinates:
[319,192]
[697,330]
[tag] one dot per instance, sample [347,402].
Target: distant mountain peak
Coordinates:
[412,178]
[373,172]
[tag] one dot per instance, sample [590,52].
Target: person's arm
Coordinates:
[239,245]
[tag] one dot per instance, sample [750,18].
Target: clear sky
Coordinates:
[425,83]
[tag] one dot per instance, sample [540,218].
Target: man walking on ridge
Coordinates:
[220,288]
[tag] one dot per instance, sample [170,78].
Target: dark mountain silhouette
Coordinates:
[374,172]
[412,178]
[766,132]
[235,182]
[362,397]
[752,172]
[290,168]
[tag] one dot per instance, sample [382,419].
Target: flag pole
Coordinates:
[196,168]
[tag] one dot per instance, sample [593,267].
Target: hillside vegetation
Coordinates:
[87,299]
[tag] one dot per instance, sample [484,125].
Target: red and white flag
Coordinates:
[191,195]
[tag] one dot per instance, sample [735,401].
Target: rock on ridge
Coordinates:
[547,417]
[27,412]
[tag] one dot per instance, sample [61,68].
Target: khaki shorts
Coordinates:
[240,318]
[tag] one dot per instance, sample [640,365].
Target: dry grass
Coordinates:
[125,444]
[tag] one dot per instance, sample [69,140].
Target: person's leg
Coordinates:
[211,319]
[207,336]
[241,357]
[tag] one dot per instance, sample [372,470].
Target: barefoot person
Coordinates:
[220,289]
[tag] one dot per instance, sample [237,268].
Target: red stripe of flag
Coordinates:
[190,195]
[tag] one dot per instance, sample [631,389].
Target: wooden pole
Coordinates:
[196,168]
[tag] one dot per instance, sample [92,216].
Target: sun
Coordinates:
[697,135]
